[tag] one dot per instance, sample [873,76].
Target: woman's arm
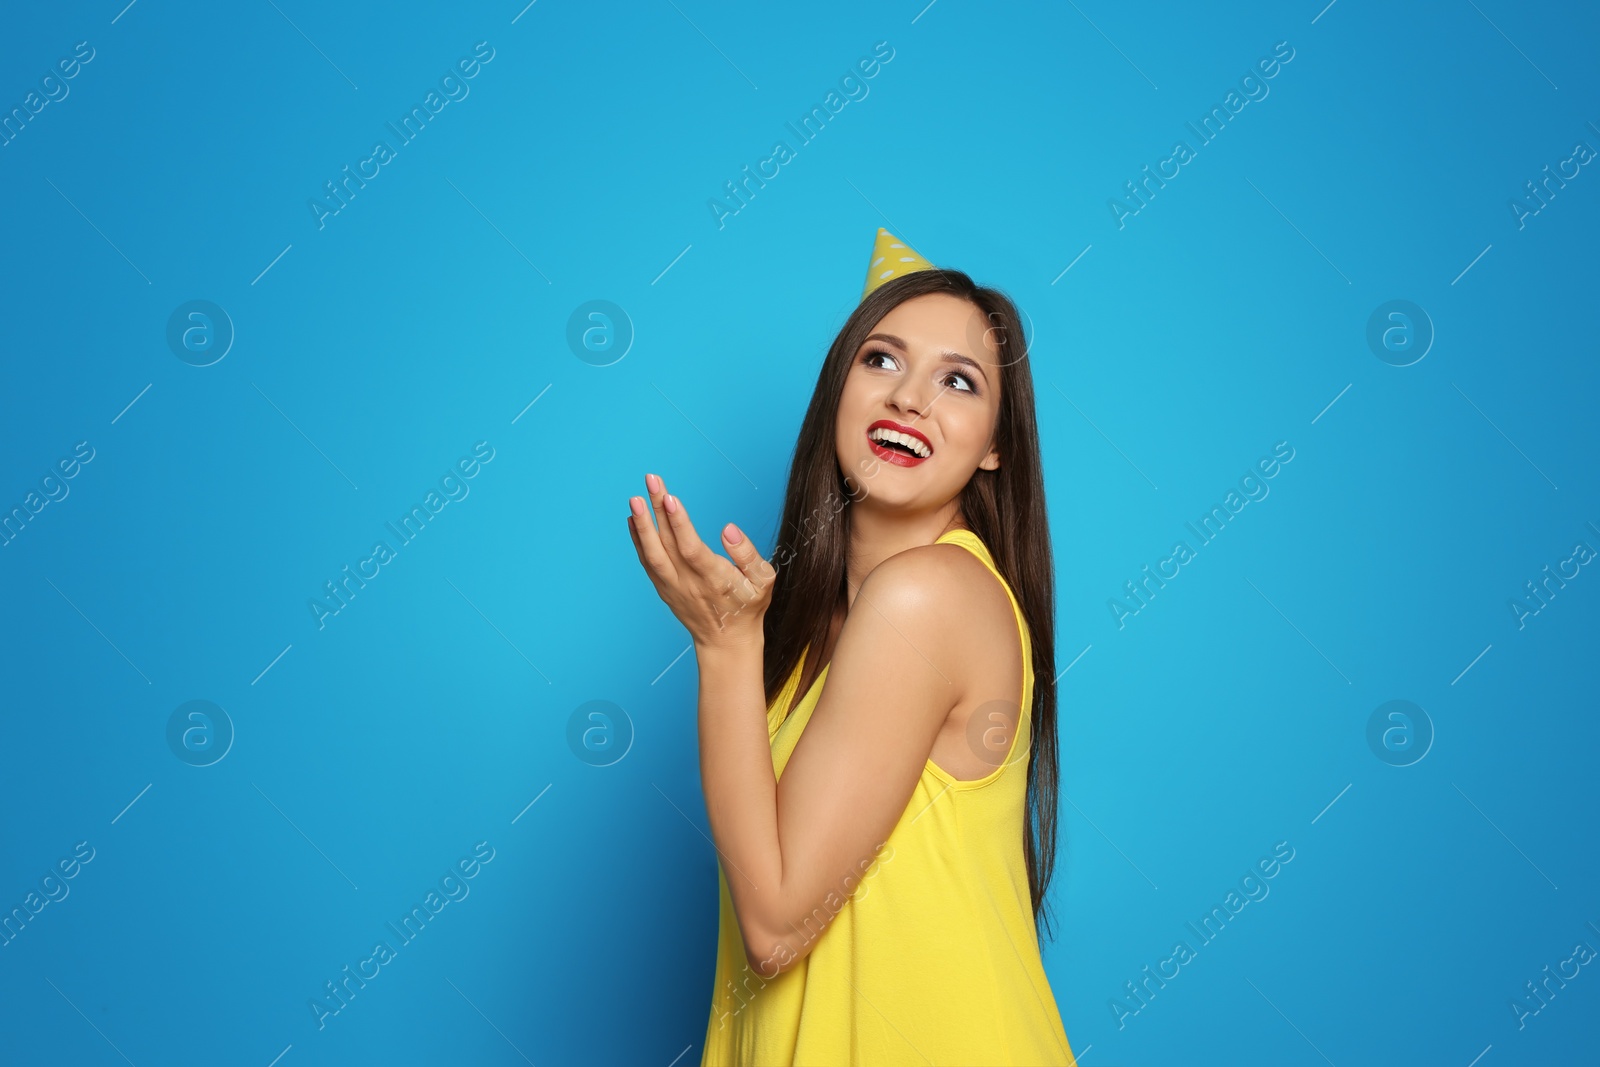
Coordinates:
[894,676]
[793,850]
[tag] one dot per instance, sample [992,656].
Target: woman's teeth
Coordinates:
[905,440]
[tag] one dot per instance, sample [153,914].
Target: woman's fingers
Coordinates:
[648,543]
[692,551]
[701,586]
[633,535]
[658,497]
[745,556]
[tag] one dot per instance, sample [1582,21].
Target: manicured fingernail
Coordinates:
[731,532]
[637,504]
[653,482]
[672,504]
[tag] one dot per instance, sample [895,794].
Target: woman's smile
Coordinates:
[897,443]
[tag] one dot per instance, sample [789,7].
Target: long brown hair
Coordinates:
[1004,507]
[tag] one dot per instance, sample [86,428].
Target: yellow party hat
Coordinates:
[891,257]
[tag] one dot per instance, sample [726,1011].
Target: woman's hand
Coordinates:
[722,604]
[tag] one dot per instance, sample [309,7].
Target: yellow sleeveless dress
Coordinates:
[934,958]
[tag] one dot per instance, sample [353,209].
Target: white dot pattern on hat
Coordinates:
[891,258]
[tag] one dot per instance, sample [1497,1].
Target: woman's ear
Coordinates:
[991,462]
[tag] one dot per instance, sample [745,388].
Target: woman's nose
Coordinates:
[909,398]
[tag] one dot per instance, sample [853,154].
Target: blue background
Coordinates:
[372,752]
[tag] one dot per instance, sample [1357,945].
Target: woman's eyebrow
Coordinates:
[946,355]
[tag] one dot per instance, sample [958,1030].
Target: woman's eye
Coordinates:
[876,356]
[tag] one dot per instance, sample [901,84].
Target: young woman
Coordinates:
[886,830]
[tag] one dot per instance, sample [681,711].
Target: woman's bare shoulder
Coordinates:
[945,578]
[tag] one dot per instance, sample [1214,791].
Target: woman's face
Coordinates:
[928,371]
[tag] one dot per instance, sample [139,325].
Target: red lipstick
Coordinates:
[899,454]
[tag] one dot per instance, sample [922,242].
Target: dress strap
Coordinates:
[971,541]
